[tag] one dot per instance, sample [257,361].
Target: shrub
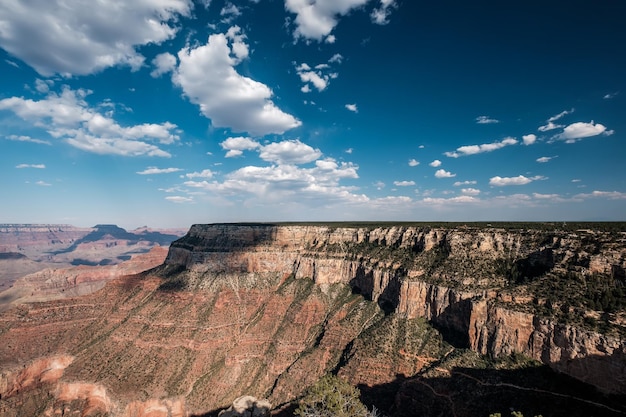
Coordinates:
[333,397]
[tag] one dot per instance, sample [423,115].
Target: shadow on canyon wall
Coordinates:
[469,392]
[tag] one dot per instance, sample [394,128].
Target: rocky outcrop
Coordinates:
[455,277]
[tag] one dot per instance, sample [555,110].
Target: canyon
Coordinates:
[426,320]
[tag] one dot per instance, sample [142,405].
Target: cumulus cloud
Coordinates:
[610,195]
[207,75]
[37,166]
[550,125]
[22,138]
[442,173]
[74,37]
[436,163]
[163,63]
[413,162]
[580,130]
[155,170]
[529,139]
[318,77]
[68,116]
[289,152]
[315,19]
[205,173]
[498,181]
[545,159]
[380,15]
[459,183]
[470,191]
[484,120]
[404,183]
[236,146]
[476,149]
[352,108]
[462,199]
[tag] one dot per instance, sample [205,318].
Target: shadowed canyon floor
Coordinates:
[267,310]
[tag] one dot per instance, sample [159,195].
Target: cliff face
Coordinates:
[267,310]
[459,279]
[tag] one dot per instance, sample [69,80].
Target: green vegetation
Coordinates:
[333,397]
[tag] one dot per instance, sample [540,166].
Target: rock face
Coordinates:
[448,276]
[267,310]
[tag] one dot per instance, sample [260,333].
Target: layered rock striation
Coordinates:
[474,284]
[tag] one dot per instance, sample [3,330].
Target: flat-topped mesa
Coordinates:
[476,283]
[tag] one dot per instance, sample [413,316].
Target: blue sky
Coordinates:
[172,112]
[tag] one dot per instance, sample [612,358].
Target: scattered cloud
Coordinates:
[404,183]
[470,191]
[413,162]
[560,115]
[610,95]
[498,181]
[442,173]
[459,183]
[68,116]
[179,199]
[289,152]
[208,78]
[21,138]
[37,166]
[74,37]
[610,195]
[205,173]
[436,163]
[545,159]
[476,149]
[352,108]
[155,170]
[11,63]
[236,146]
[315,19]
[349,150]
[462,199]
[380,15]
[318,77]
[43,184]
[337,58]
[529,139]
[163,63]
[379,185]
[549,126]
[229,12]
[484,120]
[580,130]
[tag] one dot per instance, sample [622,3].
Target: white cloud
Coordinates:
[352,108]
[179,199]
[380,15]
[315,19]
[611,195]
[163,63]
[470,191]
[205,173]
[337,58]
[379,185]
[529,139]
[462,199]
[43,184]
[27,139]
[289,152]
[37,166]
[11,63]
[236,146]
[609,96]
[442,173]
[404,183]
[459,183]
[581,130]
[413,162]
[67,116]
[476,149]
[549,126]
[349,150]
[155,170]
[560,115]
[208,78]
[436,163]
[483,120]
[545,159]
[75,37]
[229,12]
[498,181]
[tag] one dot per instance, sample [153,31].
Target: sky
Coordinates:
[168,113]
